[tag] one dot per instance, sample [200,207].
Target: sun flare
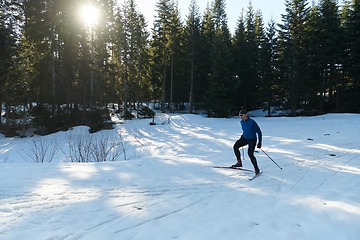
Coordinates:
[89,14]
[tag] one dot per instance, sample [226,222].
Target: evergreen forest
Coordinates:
[65,63]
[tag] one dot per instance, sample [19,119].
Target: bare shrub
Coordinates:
[41,151]
[79,147]
[87,147]
[108,149]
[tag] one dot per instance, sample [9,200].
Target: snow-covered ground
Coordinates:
[166,189]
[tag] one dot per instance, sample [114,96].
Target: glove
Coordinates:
[259,145]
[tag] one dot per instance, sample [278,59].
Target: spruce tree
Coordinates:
[38,35]
[261,64]
[329,48]
[176,40]
[206,39]
[219,93]
[9,84]
[142,42]
[161,45]
[248,37]
[268,67]
[239,63]
[131,50]
[193,44]
[351,101]
[292,40]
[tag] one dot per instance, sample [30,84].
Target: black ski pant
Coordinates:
[242,142]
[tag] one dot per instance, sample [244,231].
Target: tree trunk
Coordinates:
[269,103]
[125,92]
[293,97]
[138,86]
[163,91]
[191,84]
[52,61]
[172,79]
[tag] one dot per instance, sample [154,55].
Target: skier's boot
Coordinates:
[238,164]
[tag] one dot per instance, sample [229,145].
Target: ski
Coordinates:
[235,168]
[256,176]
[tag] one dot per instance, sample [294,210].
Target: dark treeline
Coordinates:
[63,70]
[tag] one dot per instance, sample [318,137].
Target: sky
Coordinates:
[270,9]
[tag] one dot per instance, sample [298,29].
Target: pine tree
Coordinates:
[142,41]
[240,60]
[220,87]
[176,39]
[36,60]
[268,66]
[328,51]
[130,49]
[206,39]
[251,54]
[292,36]
[105,17]
[262,61]
[193,44]
[351,100]
[248,37]
[9,84]
[161,43]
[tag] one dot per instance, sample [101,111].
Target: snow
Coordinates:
[167,189]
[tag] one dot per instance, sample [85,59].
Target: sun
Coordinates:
[89,14]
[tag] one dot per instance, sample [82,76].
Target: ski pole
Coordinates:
[271,158]
[243,154]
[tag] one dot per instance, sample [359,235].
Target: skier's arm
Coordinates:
[257,130]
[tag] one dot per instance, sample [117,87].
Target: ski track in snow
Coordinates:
[336,172]
[167,189]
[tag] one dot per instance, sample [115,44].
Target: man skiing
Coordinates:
[250,128]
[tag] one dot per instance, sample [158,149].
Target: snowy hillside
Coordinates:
[167,189]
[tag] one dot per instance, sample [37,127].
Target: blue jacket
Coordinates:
[250,128]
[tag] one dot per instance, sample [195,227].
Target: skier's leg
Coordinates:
[238,144]
[251,149]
